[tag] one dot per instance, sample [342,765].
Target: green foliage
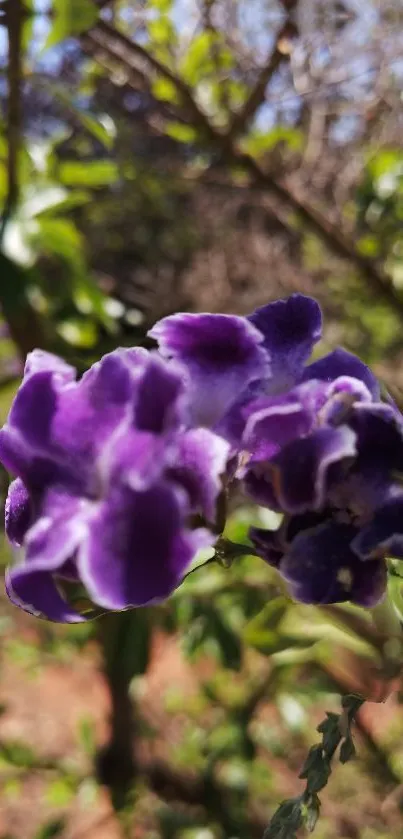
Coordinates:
[258,143]
[70,18]
[304,810]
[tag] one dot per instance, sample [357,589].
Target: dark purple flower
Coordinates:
[109,474]
[319,563]
[328,454]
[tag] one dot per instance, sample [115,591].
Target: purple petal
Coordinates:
[39,360]
[301,468]
[320,567]
[258,485]
[290,328]
[64,429]
[222,355]
[383,536]
[137,551]
[342,363]
[18,512]
[36,592]
[379,437]
[272,427]
[49,544]
[200,460]
[159,400]
[268,544]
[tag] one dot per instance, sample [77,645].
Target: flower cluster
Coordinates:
[119,474]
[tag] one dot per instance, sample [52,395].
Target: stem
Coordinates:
[115,762]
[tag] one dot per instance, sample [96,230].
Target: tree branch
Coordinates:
[14,22]
[257,95]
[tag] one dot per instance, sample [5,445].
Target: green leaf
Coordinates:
[164,90]
[207,52]
[312,813]
[270,642]
[60,793]
[180,132]
[18,754]
[102,128]
[86,733]
[79,332]
[259,142]
[71,17]
[161,5]
[271,615]
[92,173]
[162,31]
[347,750]
[51,829]
[229,644]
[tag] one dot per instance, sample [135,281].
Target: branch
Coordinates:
[14,22]
[257,95]
[139,59]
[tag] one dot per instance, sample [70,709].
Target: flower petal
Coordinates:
[383,536]
[321,567]
[159,399]
[272,427]
[137,551]
[222,355]
[57,432]
[199,461]
[342,363]
[18,512]
[49,544]
[268,544]
[35,591]
[39,360]
[291,328]
[301,468]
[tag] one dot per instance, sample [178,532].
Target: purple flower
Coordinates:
[229,359]
[327,453]
[109,476]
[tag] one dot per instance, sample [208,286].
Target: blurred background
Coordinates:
[155,156]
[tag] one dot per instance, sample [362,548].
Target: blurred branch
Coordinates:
[139,59]
[14,22]
[280,53]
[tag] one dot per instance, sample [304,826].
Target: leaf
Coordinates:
[270,642]
[347,750]
[102,128]
[161,31]
[92,173]
[229,644]
[259,142]
[71,17]
[206,52]
[79,332]
[180,132]
[51,829]
[60,793]
[86,733]
[164,90]
[271,615]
